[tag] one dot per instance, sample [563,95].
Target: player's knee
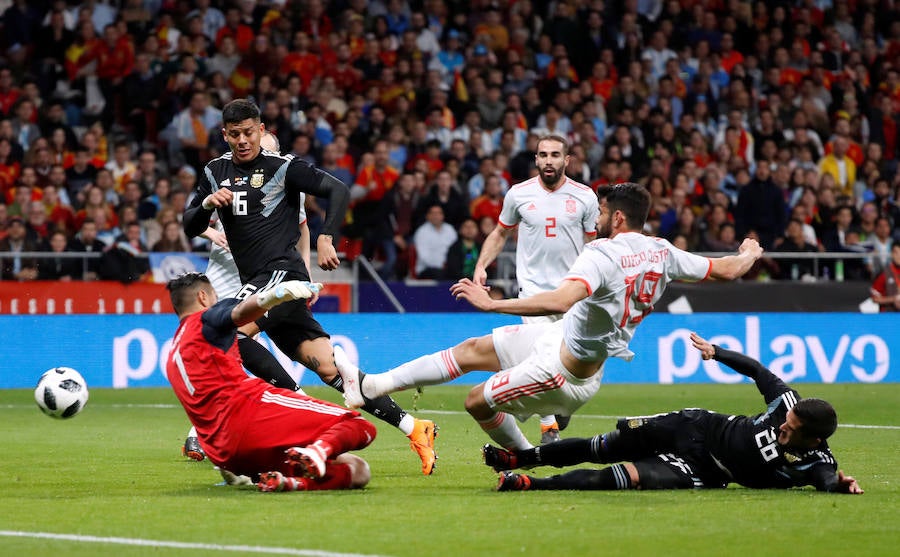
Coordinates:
[476,353]
[360,474]
[476,405]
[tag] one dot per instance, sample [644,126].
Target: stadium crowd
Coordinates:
[770,118]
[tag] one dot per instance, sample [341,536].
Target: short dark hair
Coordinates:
[817,416]
[239,110]
[558,139]
[182,289]
[630,198]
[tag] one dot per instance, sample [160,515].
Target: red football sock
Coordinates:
[337,476]
[345,436]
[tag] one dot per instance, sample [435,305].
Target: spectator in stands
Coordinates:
[884,289]
[37,227]
[489,203]
[794,241]
[172,239]
[14,266]
[447,196]
[432,240]
[59,268]
[463,254]
[761,207]
[86,241]
[840,166]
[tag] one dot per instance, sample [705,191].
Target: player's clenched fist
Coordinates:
[218,198]
[287,291]
[751,247]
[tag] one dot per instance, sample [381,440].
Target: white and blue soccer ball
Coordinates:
[61,392]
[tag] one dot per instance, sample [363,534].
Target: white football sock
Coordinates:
[503,429]
[432,369]
[407,423]
[549,420]
[192,432]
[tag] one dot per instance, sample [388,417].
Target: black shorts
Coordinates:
[670,449]
[668,471]
[287,324]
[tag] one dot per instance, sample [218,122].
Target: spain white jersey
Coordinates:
[222,270]
[551,230]
[625,276]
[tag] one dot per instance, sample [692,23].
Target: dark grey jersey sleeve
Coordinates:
[218,327]
[769,385]
[196,218]
[304,177]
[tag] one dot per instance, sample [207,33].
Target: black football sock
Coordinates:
[614,477]
[263,364]
[565,452]
[384,408]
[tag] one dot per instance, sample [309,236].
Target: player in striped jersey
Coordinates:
[554,217]
[554,368]
[783,447]
[247,426]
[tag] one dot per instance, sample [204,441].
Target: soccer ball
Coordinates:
[61,392]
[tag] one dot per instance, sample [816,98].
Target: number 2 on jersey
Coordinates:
[637,298]
[550,228]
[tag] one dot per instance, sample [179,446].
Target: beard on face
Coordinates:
[553,179]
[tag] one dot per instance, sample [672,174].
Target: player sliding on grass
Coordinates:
[249,428]
[554,368]
[781,448]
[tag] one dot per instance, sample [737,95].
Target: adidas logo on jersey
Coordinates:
[225,183]
[531,207]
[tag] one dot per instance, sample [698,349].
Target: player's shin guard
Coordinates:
[502,428]
[263,364]
[384,408]
[348,435]
[614,477]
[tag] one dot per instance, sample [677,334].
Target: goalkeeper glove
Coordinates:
[287,291]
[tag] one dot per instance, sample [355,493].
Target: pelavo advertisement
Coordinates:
[130,350]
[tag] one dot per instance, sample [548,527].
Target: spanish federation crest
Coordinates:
[571,206]
[256,180]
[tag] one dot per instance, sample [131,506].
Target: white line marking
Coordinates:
[180,545]
[446,413]
[602,417]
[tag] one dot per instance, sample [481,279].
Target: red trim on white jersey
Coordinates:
[709,270]
[504,225]
[587,286]
[531,389]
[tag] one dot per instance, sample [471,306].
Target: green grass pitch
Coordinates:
[115,473]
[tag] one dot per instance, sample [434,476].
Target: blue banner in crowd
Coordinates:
[167,266]
[130,350]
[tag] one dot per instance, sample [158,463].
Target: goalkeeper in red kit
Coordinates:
[281,439]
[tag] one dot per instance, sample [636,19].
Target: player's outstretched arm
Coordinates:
[544,303]
[769,385]
[258,304]
[731,267]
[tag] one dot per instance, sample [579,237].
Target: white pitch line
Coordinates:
[447,413]
[602,417]
[180,545]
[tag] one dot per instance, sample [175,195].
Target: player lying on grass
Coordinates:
[247,427]
[783,447]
